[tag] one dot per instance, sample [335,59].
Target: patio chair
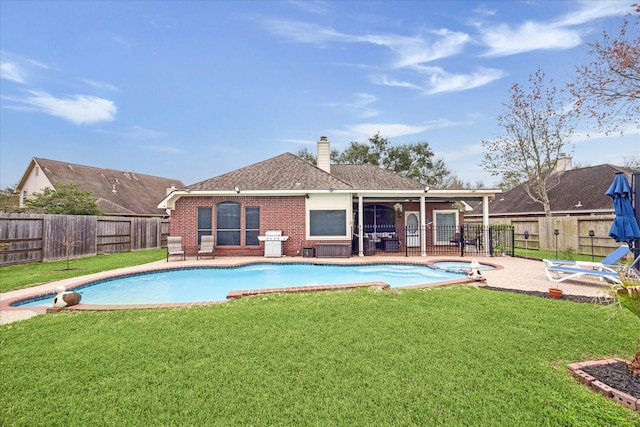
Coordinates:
[206,246]
[468,241]
[606,263]
[174,247]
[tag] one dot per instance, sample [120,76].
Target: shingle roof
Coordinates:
[580,191]
[371,177]
[135,193]
[290,172]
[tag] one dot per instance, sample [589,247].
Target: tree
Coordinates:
[608,88]
[536,133]
[306,154]
[9,199]
[415,161]
[68,199]
[372,153]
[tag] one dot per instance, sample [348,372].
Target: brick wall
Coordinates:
[286,213]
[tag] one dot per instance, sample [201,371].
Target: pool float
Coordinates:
[64,298]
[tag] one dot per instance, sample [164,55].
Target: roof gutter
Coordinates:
[170,200]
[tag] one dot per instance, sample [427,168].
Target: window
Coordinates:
[446,226]
[204,222]
[252,226]
[228,224]
[328,222]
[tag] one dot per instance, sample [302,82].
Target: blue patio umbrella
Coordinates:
[625,226]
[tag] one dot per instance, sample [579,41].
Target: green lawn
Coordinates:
[24,275]
[454,356]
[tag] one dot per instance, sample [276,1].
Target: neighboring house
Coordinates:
[118,193]
[579,192]
[315,206]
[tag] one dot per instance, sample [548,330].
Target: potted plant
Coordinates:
[398,208]
[555,292]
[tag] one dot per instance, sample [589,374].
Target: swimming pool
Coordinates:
[202,284]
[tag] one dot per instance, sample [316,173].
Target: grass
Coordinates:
[25,275]
[454,356]
[541,254]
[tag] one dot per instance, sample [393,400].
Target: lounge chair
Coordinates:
[174,247]
[206,246]
[611,259]
[560,273]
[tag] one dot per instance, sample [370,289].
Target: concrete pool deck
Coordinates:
[512,273]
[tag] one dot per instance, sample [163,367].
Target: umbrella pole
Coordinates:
[635,202]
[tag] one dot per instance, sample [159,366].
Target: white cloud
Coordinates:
[440,81]
[418,50]
[101,85]
[504,40]
[78,109]
[15,68]
[408,50]
[384,80]
[592,10]
[361,103]
[12,72]
[363,131]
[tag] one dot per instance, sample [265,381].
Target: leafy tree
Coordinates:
[306,154]
[536,133]
[453,182]
[608,88]
[68,199]
[372,153]
[415,161]
[9,199]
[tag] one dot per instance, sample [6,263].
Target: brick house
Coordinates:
[315,206]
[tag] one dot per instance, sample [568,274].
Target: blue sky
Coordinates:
[191,90]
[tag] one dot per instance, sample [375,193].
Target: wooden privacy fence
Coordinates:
[38,237]
[573,233]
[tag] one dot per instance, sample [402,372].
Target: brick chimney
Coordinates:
[324,154]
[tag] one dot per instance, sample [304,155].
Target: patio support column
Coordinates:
[423,227]
[360,226]
[485,220]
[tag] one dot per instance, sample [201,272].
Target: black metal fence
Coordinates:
[464,240]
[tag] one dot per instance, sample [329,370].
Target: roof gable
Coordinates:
[117,192]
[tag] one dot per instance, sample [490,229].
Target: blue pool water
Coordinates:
[214,284]
[459,266]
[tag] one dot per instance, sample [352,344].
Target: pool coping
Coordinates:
[81,281]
